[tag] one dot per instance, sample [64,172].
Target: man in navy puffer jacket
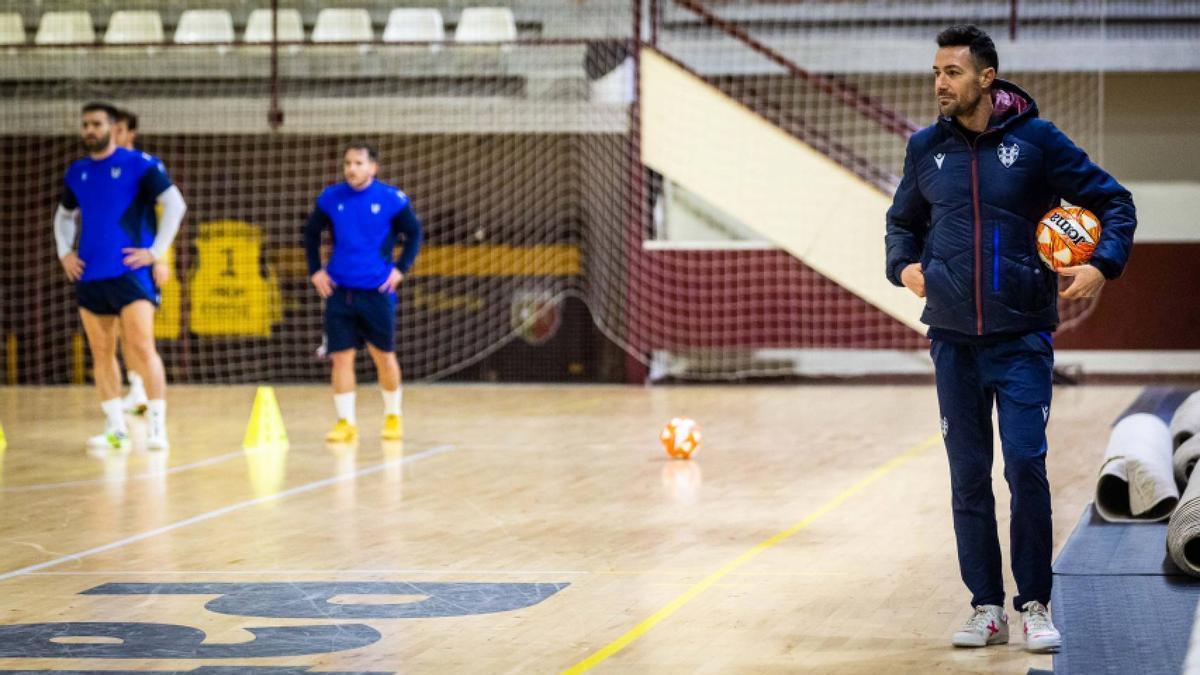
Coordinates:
[961,234]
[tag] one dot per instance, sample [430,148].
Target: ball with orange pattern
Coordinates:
[1067,236]
[680,438]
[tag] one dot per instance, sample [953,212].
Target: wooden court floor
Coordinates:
[518,529]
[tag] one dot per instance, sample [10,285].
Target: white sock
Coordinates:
[157,410]
[344,403]
[391,401]
[114,414]
[136,388]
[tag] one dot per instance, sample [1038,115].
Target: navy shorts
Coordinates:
[107,297]
[354,316]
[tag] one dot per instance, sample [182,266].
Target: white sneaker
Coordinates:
[156,436]
[1040,633]
[112,438]
[987,626]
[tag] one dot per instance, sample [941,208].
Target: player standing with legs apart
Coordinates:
[960,233]
[124,132]
[366,218]
[115,192]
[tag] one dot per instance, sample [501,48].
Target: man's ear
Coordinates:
[987,77]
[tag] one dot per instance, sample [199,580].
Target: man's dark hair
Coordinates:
[983,50]
[106,108]
[128,117]
[371,150]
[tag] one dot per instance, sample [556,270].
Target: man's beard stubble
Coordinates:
[98,144]
[959,108]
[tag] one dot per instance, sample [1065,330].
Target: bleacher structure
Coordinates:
[594,207]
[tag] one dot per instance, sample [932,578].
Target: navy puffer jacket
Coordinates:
[967,210]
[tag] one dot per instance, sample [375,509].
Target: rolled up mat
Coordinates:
[1137,480]
[1183,531]
[1186,422]
[1186,457]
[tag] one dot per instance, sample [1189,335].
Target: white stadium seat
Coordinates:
[204,25]
[343,25]
[486,24]
[414,25]
[258,26]
[133,27]
[65,28]
[12,29]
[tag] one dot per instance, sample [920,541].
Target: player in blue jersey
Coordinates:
[124,132]
[115,192]
[366,218]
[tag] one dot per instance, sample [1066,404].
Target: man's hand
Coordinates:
[137,258]
[161,273]
[1086,284]
[913,279]
[393,281]
[323,283]
[72,265]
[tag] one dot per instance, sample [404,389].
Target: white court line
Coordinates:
[142,476]
[299,489]
[103,573]
[444,572]
[441,572]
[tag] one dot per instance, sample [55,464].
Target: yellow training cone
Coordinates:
[266,423]
[3,440]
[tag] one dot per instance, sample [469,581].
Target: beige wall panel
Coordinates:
[790,193]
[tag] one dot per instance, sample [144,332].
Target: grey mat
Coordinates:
[1121,603]
[1123,624]
[1183,531]
[1187,455]
[1185,423]
[1137,480]
[1097,547]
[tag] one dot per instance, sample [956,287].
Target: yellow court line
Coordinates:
[682,599]
[635,573]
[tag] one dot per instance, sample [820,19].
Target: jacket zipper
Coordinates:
[978,228]
[978,238]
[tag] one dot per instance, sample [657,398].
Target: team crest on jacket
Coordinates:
[1008,153]
[116,172]
[375,208]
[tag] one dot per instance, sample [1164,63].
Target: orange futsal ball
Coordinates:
[1067,236]
[680,438]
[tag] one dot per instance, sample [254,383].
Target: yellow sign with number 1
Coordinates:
[232,293]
